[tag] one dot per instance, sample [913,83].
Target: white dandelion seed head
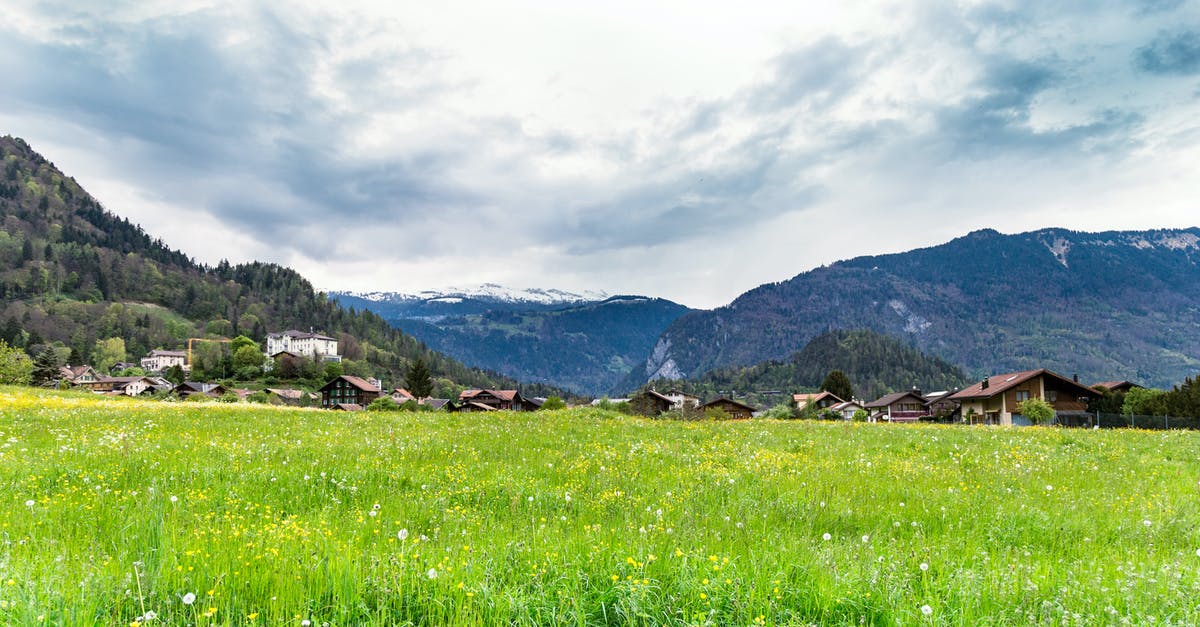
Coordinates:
[432,574]
[1049,487]
[926,610]
[375,507]
[1197,552]
[189,598]
[402,534]
[1147,523]
[29,503]
[150,615]
[306,623]
[827,537]
[372,513]
[924,566]
[866,538]
[174,499]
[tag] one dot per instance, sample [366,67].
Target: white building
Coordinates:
[157,361]
[311,345]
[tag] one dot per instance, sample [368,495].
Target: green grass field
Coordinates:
[112,510]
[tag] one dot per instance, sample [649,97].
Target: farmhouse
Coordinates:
[997,399]
[681,400]
[192,388]
[898,407]
[78,375]
[495,399]
[311,345]
[651,403]
[349,390]
[731,407]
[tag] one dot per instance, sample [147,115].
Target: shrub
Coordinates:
[384,403]
[1038,412]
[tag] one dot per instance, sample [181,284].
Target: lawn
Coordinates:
[216,514]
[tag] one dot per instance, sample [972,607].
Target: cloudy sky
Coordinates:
[683,150]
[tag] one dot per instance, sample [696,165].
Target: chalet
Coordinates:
[192,388]
[996,400]
[402,396]
[651,403]
[940,405]
[310,345]
[158,360]
[898,407]
[132,386]
[820,400]
[287,396]
[348,389]
[1116,386]
[682,400]
[346,407]
[496,399]
[438,404]
[78,375]
[474,406]
[734,409]
[847,409]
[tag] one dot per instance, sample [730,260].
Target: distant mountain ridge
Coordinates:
[542,336]
[1112,305]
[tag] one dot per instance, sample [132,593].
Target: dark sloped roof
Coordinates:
[1001,382]
[721,399]
[888,399]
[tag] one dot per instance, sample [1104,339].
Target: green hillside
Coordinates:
[72,272]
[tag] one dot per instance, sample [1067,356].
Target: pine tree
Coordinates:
[838,384]
[418,380]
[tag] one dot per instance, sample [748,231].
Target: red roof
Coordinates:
[355,381]
[815,397]
[404,393]
[1001,382]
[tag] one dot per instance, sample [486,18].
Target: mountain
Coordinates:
[586,347]
[432,305]
[72,272]
[875,363]
[1113,305]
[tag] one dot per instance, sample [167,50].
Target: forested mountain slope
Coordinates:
[1115,305]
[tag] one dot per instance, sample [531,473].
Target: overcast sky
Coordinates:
[683,150]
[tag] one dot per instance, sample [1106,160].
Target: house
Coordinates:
[131,386]
[473,406]
[288,396]
[898,407]
[496,399]
[192,388]
[438,404]
[1116,386]
[348,389]
[78,375]
[159,360]
[123,365]
[402,396]
[734,409]
[682,400]
[996,400]
[651,403]
[310,345]
[938,404]
[820,400]
[346,407]
[847,409]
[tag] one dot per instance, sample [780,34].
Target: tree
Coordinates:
[46,364]
[861,415]
[838,384]
[1144,402]
[240,342]
[418,380]
[333,370]
[16,368]
[554,402]
[108,352]
[220,326]
[248,357]
[175,374]
[1038,412]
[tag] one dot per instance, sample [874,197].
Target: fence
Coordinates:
[1101,420]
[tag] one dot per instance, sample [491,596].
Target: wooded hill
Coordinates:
[73,272]
[876,365]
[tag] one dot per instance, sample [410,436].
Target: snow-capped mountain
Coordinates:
[488,292]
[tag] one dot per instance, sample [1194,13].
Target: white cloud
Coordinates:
[685,150]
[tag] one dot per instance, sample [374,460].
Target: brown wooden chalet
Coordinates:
[1116,386]
[734,409]
[997,399]
[192,388]
[651,403]
[495,399]
[78,375]
[899,407]
[348,390]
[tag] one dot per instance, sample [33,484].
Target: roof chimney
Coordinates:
[984,385]
[1076,377]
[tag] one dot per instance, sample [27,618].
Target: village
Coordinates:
[995,400]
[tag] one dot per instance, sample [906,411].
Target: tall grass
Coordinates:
[111,510]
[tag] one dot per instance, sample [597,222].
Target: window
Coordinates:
[1022,395]
[1052,395]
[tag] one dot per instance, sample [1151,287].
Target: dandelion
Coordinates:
[866,539]
[306,623]
[530,499]
[827,536]
[29,503]
[189,598]
[150,615]
[174,499]
[926,610]
[1049,487]
[375,507]
[432,574]
[372,513]
[402,535]
[1147,523]
[924,567]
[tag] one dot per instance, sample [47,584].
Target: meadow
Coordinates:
[142,513]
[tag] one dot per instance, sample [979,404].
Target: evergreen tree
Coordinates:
[838,384]
[418,379]
[45,366]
